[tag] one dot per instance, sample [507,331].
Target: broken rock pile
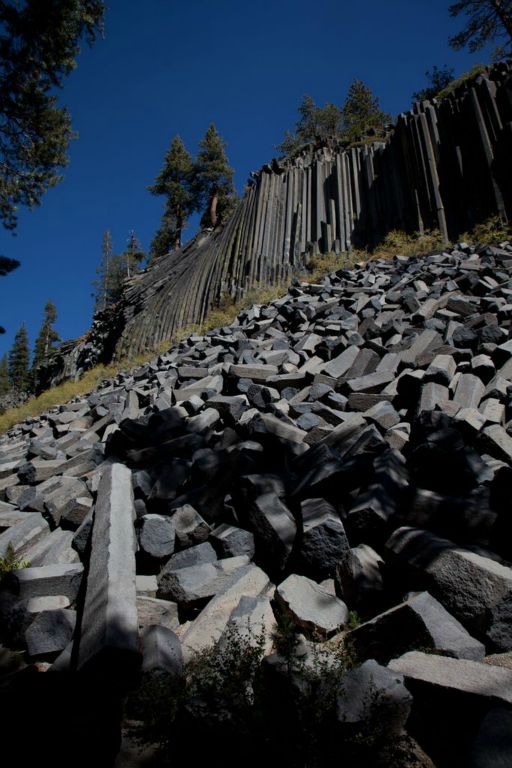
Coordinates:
[347,448]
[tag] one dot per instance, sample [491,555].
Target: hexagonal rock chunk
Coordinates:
[29,529]
[420,621]
[469,585]
[198,555]
[252,621]
[206,629]
[109,639]
[48,580]
[199,582]
[469,679]
[313,608]
[156,536]
[231,541]
[55,548]
[324,540]
[189,526]
[50,632]
[372,695]
[274,527]
[162,654]
[151,610]
[359,578]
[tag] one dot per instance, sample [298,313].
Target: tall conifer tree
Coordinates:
[361,113]
[46,338]
[213,178]
[19,361]
[5,384]
[174,182]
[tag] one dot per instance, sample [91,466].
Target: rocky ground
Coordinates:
[336,463]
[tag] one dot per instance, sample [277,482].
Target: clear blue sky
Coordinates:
[173,66]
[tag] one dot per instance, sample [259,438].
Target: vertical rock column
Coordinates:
[109,628]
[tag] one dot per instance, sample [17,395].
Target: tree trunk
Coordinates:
[179,228]
[213,209]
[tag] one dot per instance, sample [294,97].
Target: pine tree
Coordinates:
[39,43]
[213,179]
[5,384]
[19,361]
[438,79]
[362,115]
[133,256]
[487,21]
[175,183]
[101,284]
[165,238]
[46,338]
[314,124]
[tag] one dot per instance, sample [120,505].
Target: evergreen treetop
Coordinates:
[362,114]
[314,124]
[46,337]
[487,21]
[19,361]
[4,376]
[438,78]
[39,43]
[175,182]
[213,178]
[359,118]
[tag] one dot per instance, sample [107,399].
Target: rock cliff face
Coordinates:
[447,165]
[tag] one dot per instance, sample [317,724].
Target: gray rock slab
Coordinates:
[371,382]
[156,536]
[339,365]
[54,548]
[469,391]
[109,640]
[323,540]
[50,632]
[373,695]
[274,527]
[498,442]
[27,531]
[253,622]
[189,526]
[441,370]
[419,622]
[206,629]
[48,580]
[467,678]
[359,579]
[231,541]
[162,654]
[146,584]
[469,585]
[188,586]
[311,607]
[197,555]
[151,611]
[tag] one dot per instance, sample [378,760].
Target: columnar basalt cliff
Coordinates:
[447,165]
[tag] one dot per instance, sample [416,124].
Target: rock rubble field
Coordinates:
[340,460]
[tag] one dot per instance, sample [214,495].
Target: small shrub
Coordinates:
[11,562]
[492,230]
[476,70]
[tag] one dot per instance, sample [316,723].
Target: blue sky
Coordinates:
[168,67]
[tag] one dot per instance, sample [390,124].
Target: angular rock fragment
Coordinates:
[419,622]
[109,628]
[311,607]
